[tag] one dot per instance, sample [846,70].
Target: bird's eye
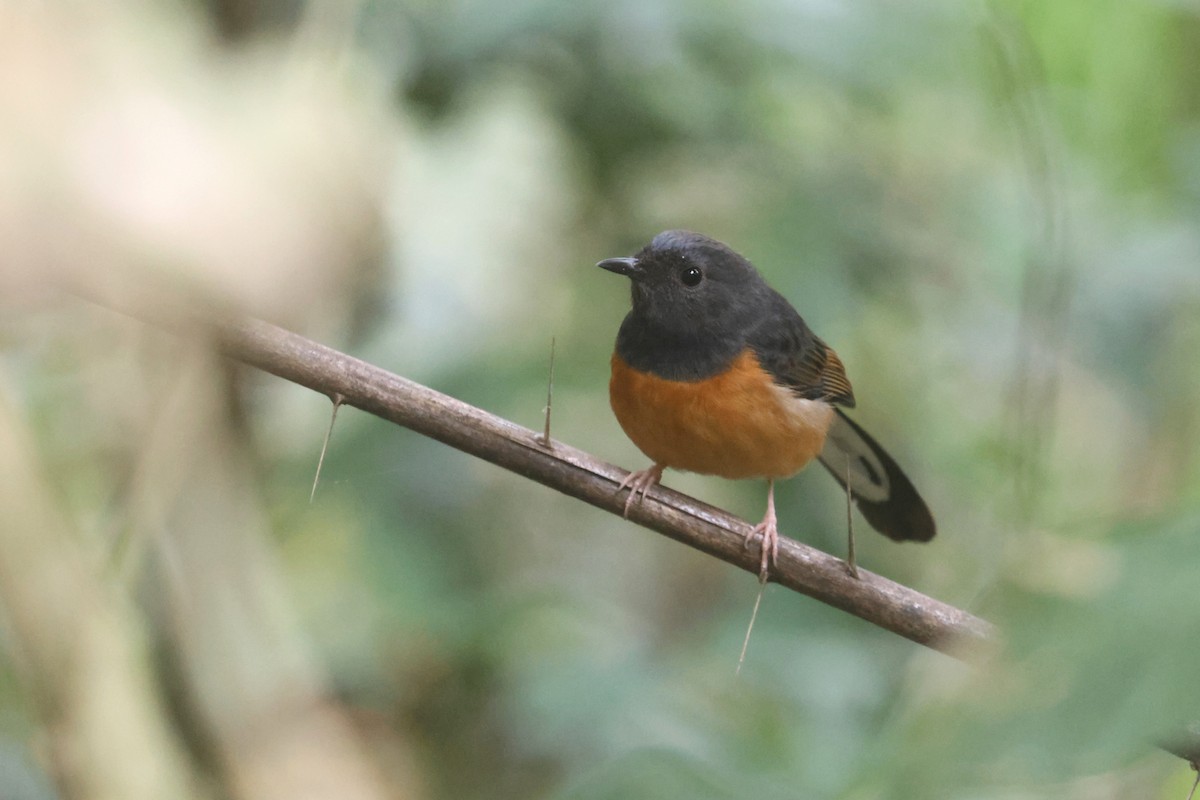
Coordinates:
[691,276]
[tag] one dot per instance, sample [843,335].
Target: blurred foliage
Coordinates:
[989,209]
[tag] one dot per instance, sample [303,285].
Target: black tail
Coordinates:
[883,492]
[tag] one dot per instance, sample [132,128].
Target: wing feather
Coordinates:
[798,359]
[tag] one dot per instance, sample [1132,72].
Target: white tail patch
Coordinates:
[868,478]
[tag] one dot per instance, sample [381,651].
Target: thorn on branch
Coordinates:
[544,439]
[337,403]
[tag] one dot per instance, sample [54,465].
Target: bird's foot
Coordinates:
[770,543]
[639,483]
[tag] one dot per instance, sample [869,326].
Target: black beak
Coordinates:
[622,266]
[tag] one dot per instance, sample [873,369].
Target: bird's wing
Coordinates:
[798,359]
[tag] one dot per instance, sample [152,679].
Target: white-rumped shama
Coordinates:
[714,372]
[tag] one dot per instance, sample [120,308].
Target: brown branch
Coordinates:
[578,474]
[1185,744]
[804,569]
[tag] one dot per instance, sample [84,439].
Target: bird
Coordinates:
[714,372]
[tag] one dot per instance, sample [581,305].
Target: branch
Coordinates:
[573,472]
[1185,744]
[350,381]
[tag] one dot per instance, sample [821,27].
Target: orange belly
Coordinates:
[739,424]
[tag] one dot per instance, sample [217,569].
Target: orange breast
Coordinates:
[739,424]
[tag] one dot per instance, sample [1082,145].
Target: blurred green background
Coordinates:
[991,211]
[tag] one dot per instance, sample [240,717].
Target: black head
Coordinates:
[694,303]
[685,283]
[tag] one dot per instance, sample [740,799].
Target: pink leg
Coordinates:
[640,482]
[770,534]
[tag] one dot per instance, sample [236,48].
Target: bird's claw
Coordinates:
[639,483]
[770,545]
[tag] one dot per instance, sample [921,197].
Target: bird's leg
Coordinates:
[849,524]
[770,534]
[640,482]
